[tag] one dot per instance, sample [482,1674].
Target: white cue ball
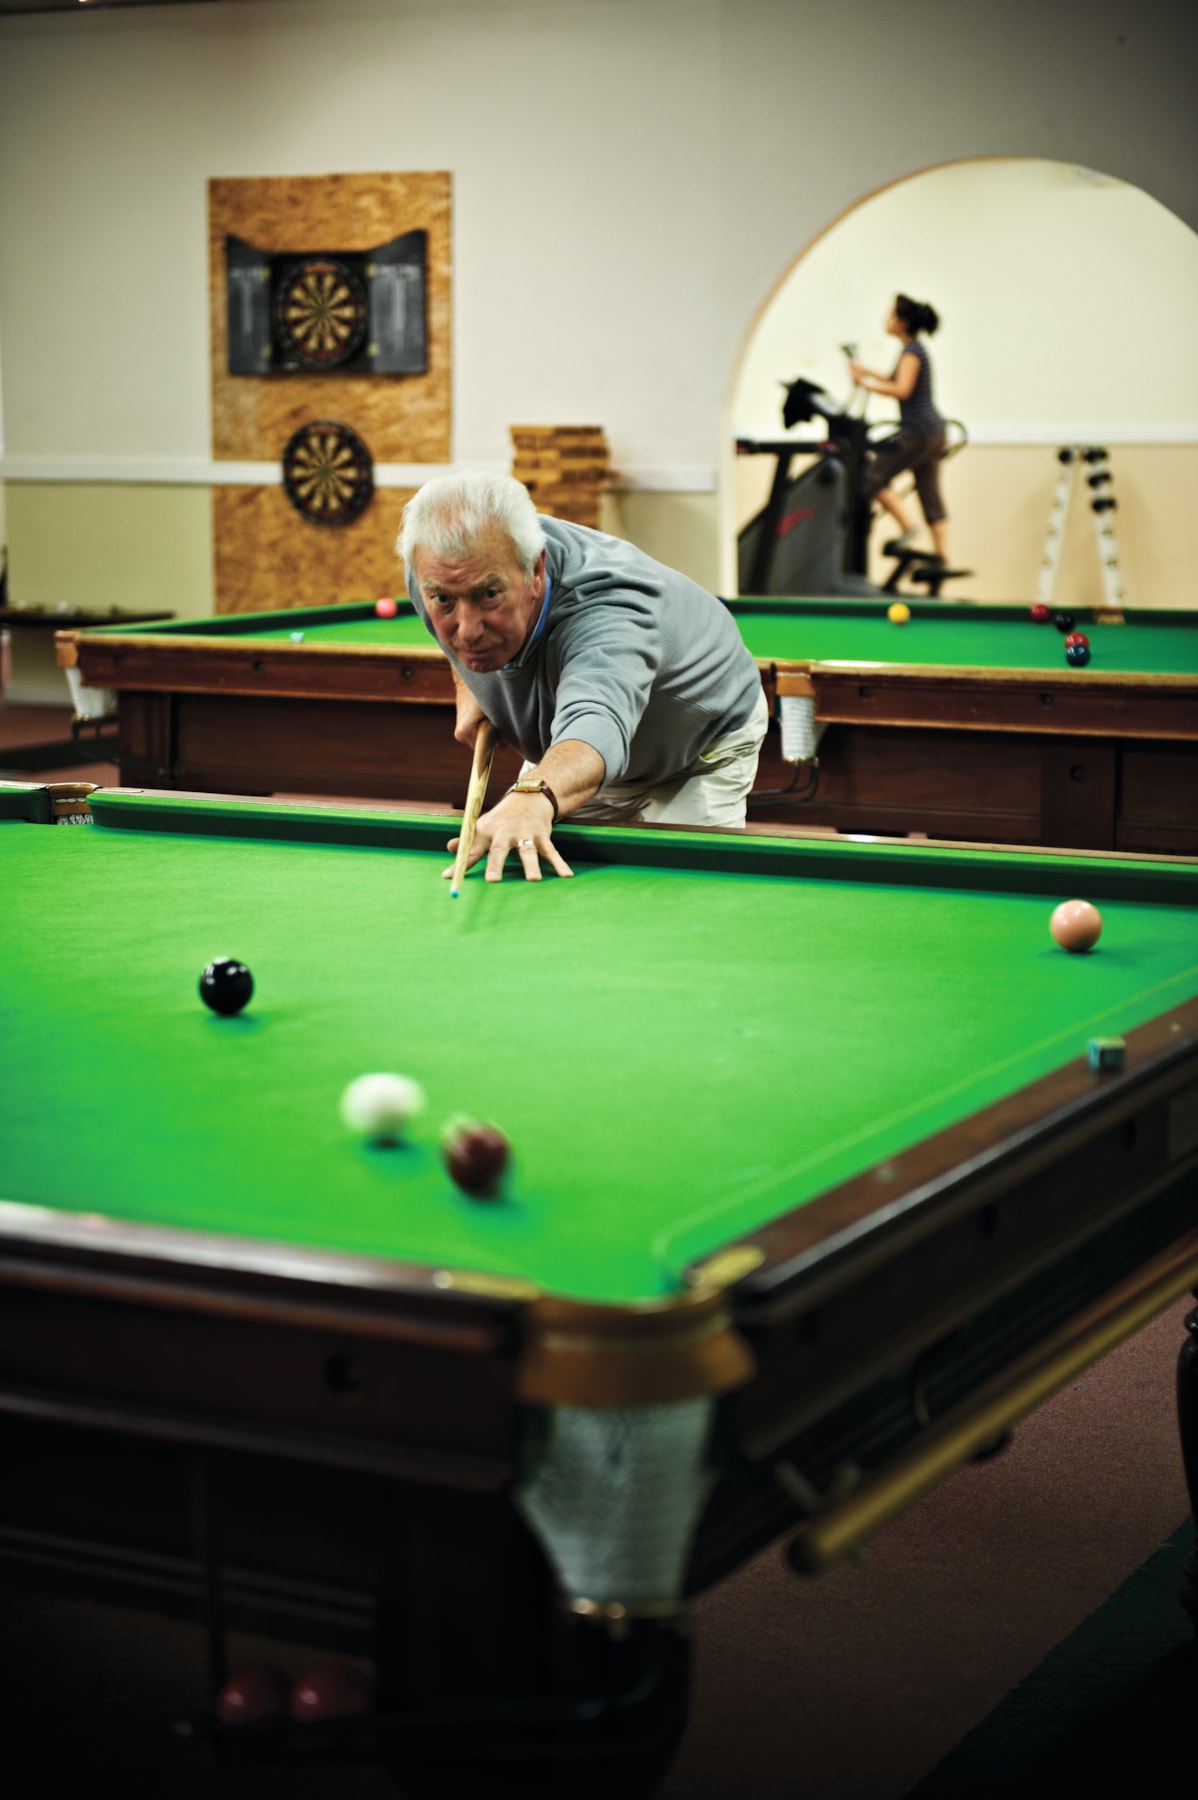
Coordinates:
[379,1106]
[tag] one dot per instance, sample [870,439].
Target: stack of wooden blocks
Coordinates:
[564,467]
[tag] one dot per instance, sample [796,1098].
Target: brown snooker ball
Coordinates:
[477,1157]
[1076,925]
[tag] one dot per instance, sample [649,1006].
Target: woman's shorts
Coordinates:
[920,451]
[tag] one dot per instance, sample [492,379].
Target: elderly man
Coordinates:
[625,686]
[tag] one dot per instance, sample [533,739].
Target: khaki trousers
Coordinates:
[712,791]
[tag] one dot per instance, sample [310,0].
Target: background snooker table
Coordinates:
[849,1211]
[966,723]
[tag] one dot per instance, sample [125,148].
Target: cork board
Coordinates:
[402,418]
[267,556]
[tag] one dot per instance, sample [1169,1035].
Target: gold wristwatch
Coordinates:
[532,784]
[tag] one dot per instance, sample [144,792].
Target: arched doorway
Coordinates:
[1067,300]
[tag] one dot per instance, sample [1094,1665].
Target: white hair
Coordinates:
[451,512]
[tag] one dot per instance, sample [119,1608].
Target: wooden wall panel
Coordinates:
[402,418]
[268,556]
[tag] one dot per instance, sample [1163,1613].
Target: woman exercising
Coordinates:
[920,443]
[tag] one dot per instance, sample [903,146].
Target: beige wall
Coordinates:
[141,546]
[681,530]
[147,546]
[1000,498]
[1068,303]
[106,544]
[632,179]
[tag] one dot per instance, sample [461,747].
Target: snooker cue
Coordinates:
[484,750]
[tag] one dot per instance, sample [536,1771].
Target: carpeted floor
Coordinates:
[1110,1711]
[853,1686]
[37,739]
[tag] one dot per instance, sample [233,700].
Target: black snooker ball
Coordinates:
[1063,621]
[1077,655]
[226,985]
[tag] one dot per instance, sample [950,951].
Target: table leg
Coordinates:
[487,1684]
[1187,1415]
[205,1526]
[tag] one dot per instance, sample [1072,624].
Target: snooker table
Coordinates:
[30,632]
[966,723]
[790,1237]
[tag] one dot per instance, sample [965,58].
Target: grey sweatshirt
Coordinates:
[634,659]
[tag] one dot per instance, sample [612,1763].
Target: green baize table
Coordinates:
[815,1196]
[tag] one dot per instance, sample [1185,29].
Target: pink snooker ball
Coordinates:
[386,609]
[1076,925]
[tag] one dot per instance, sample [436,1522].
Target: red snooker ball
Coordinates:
[1076,637]
[251,1694]
[1041,613]
[331,1691]
[477,1157]
[1076,925]
[386,609]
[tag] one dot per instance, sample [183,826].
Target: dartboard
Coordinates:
[320,312]
[327,472]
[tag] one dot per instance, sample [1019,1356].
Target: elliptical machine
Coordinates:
[812,535]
